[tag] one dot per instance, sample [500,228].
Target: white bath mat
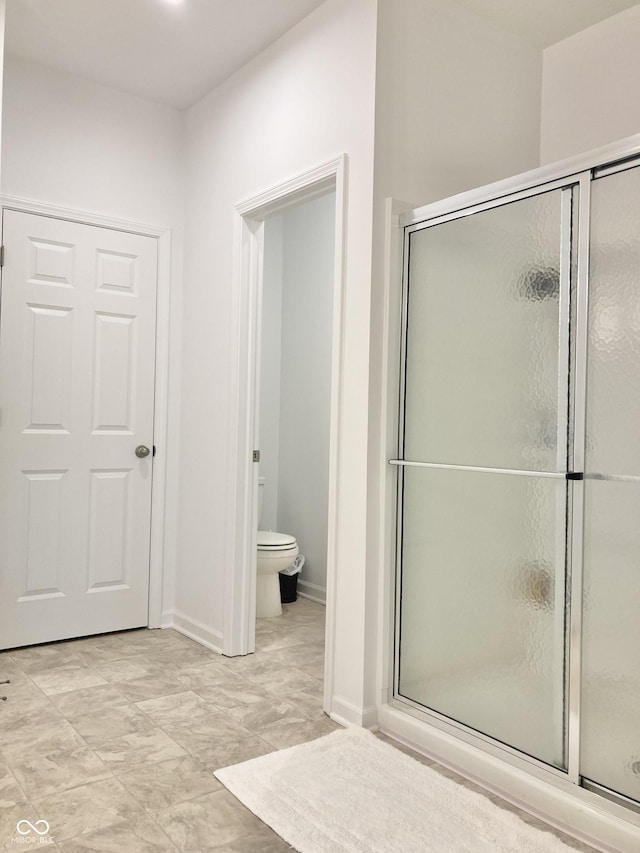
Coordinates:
[349,792]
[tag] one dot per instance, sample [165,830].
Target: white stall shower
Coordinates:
[519,474]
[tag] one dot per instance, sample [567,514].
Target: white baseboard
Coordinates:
[166,619]
[193,629]
[573,810]
[312,591]
[348,714]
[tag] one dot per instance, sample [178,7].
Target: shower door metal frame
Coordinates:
[567,187]
[577,175]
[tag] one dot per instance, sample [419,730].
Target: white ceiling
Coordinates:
[175,52]
[545,22]
[166,51]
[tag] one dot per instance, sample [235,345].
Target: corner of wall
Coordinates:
[203,634]
[347,714]
[589,83]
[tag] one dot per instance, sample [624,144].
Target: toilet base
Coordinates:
[268,602]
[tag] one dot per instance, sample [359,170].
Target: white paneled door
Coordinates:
[77,360]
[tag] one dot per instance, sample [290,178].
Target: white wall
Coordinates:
[69,142]
[271,368]
[307,315]
[590,88]
[296,365]
[306,100]
[458,101]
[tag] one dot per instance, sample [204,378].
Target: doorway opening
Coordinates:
[294,401]
[295,383]
[289,310]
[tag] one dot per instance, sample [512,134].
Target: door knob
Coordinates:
[142,451]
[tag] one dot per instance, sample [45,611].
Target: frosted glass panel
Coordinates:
[610,749]
[482,630]
[482,367]
[610,733]
[613,390]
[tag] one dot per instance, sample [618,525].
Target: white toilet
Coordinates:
[276,551]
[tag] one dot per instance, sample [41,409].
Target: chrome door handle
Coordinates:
[142,451]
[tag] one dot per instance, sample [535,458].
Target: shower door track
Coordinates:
[610,795]
[476,738]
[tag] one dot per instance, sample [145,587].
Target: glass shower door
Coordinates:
[610,725]
[483,465]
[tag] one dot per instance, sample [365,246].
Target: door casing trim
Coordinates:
[161,397]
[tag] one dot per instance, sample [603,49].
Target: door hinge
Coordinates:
[256,455]
[1,256]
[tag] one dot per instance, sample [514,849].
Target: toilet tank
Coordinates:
[260,498]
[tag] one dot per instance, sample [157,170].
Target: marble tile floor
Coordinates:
[112,740]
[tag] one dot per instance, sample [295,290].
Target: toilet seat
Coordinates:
[270,540]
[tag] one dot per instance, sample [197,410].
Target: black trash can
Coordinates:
[289,581]
[288,588]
